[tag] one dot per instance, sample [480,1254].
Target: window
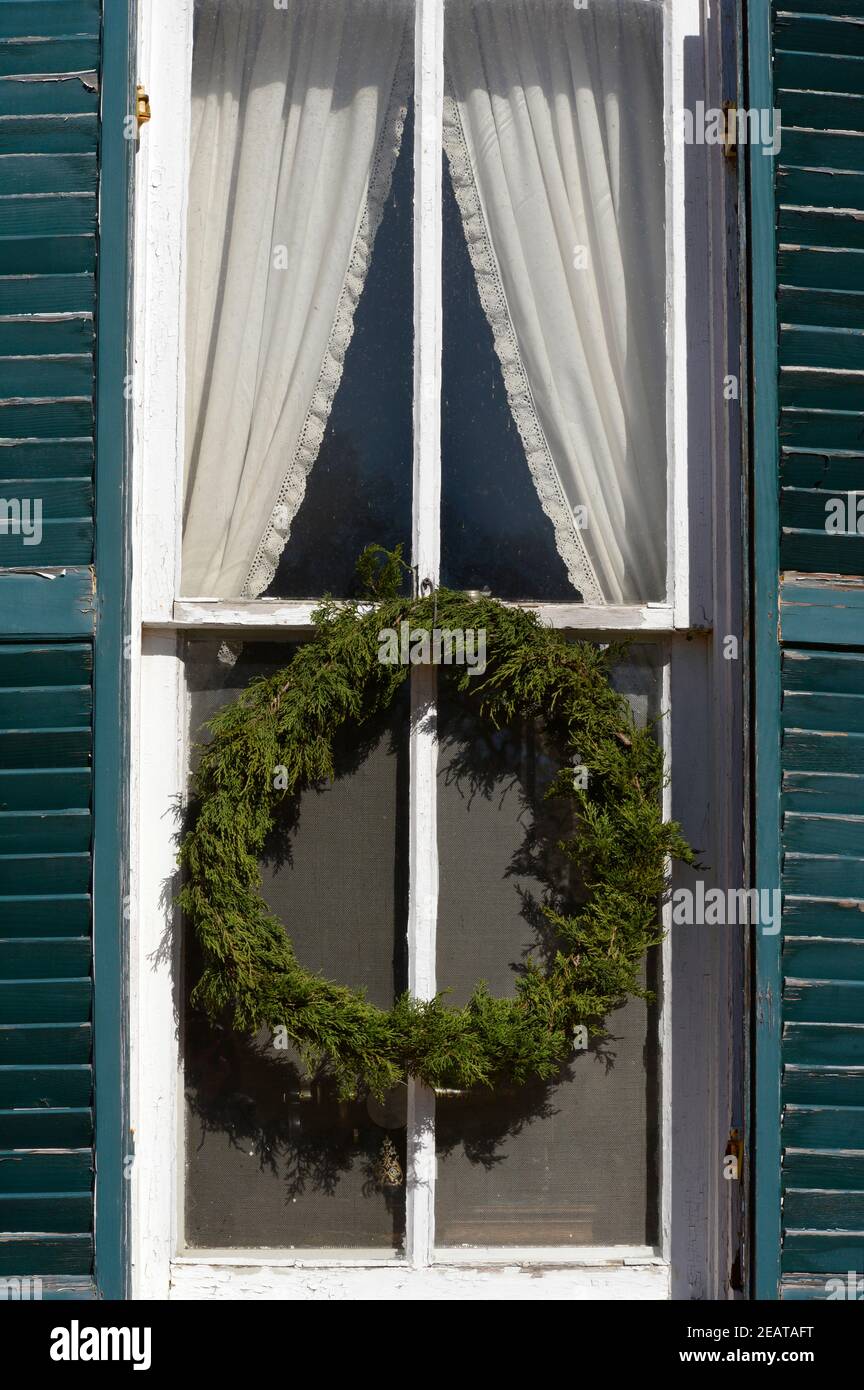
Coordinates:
[423,299]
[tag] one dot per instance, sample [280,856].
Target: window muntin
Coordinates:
[553,441]
[453,1216]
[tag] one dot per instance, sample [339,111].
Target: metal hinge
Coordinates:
[142,106]
[730,130]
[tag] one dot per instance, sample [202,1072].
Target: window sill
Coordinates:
[473,1274]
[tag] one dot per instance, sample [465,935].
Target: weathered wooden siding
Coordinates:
[50,61]
[810,1004]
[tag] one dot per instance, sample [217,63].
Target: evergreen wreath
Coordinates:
[251,977]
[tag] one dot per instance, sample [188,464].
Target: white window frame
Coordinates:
[682,626]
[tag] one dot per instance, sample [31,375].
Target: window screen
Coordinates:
[573,1162]
[273,1157]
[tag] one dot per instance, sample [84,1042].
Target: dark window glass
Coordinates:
[273,1157]
[572,1162]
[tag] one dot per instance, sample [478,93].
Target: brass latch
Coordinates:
[730,130]
[142,106]
[733,1158]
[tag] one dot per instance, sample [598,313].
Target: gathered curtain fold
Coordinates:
[297,117]
[554,136]
[553,130]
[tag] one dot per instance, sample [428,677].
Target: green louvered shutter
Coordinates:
[809,615]
[56,630]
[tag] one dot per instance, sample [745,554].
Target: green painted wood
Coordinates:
[819,149]
[60,1288]
[832,473]
[30,958]
[829,875]
[39,1043]
[830,614]
[46,459]
[813,429]
[69,255]
[819,268]
[826,308]
[66,335]
[46,1129]
[45,1254]
[60,214]
[44,915]
[823,1044]
[803,1287]
[834,673]
[64,96]
[62,540]
[51,18]
[837,8]
[46,420]
[32,1087]
[819,916]
[23,748]
[47,294]
[807,1210]
[816,1085]
[32,707]
[112,717]
[820,958]
[41,605]
[805,710]
[23,1170]
[819,111]
[763,403]
[819,34]
[823,1250]
[819,390]
[49,134]
[831,834]
[50,375]
[838,72]
[823,1127]
[47,174]
[830,1168]
[809,346]
[44,789]
[45,873]
[806,751]
[820,188]
[49,832]
[61,1211]
[823,1001]
[45,1001]
[45,664]
[841,227]
[62,56]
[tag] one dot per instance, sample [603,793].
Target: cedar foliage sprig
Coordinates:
[251,976]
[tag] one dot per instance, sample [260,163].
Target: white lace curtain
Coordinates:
[553,132]
[297,118]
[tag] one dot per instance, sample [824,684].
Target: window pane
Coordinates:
[273,1157]
[573,1162]
[299,294]
[554,453]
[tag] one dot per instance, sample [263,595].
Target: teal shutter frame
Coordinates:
[807,412]
[65,165]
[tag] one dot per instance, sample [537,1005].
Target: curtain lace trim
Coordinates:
[568,538]
[266,560]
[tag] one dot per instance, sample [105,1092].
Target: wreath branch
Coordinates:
[251,977]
